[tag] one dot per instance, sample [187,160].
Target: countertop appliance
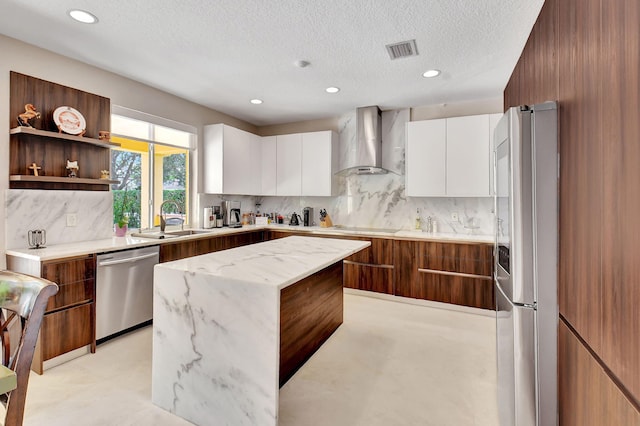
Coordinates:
[230,213]
[526,264]
[307,216]
[295,219]
[124,290]
[208,218]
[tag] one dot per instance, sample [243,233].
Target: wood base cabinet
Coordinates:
[458,273]
[371,269]
[378,278]
[69,320]
[183,249]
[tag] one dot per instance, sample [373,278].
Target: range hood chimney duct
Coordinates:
[365,156]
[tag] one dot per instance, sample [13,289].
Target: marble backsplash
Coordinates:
[28,209]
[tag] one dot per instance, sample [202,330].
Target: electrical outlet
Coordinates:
[454,216]
[72,219]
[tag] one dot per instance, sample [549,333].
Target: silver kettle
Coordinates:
[295,220]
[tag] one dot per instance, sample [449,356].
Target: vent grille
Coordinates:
[404,49]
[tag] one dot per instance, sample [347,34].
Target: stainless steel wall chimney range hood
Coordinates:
[364,157]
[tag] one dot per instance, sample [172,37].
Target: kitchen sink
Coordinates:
[187,232]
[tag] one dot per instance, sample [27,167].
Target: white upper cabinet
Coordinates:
[319,163]
[239,162]
[426,158]
[468,156]
[450,157]
[269,165]
[232,163]
[289,164]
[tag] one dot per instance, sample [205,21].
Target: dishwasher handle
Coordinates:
[127,260]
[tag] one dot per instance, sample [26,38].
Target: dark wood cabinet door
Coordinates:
[66,330]
[368,277]
[458,290]
[475,259]
[405,269]
[75,278]
[178,250]
[379,253]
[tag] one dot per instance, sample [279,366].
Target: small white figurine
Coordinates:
[72,166]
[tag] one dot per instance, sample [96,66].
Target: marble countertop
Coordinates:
[60,251]
[276,263]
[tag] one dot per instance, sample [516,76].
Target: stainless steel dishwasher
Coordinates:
[124,289]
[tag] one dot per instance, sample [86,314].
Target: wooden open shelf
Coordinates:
[50,149]
[63,136]
[61,179]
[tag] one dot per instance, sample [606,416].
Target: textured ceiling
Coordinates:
[223,53]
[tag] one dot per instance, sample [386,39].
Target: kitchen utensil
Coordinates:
[37,238]
[295,219]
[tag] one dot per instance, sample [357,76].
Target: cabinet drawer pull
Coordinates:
[455,274]
[350,262]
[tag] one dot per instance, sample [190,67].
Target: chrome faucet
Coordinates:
[163,221]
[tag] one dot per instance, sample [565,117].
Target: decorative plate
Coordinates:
[69,120]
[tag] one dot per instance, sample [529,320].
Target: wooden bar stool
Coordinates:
[23,300]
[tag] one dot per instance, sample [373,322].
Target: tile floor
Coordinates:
[390,363]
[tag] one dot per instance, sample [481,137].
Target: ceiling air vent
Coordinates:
[403,49]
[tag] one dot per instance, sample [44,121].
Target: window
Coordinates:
[152,165]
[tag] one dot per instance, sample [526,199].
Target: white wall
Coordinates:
[27,59]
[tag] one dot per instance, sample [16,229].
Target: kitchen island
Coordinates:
[230,327]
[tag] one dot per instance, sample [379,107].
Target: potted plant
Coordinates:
[121,225]
[123,218]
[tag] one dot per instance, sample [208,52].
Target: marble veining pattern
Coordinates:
[379,201]
[216,325]
[28,209]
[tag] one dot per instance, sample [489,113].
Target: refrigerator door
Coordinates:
[514,198]
[515,337]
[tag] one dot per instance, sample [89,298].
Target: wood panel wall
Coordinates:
[586,55]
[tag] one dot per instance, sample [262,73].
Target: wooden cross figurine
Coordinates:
[35,168]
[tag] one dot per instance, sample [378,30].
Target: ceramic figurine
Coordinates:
[29,114]
[72,166]
[105,174]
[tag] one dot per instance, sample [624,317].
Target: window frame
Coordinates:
[154,121]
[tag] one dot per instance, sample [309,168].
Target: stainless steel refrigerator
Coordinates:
[526,264]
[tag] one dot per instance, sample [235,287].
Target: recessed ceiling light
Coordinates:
[332,89]
[83,16]
[431,73]
[256,101]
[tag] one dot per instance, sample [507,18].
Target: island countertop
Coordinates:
[277,263]
[228,324]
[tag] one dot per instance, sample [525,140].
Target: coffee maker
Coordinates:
[307,216]
[231,214]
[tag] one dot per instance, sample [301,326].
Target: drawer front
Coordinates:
[379,253]
[66,330]
[368,277]
[474,259]
[70,270]
[72,294]
[75,279]
[458,290]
